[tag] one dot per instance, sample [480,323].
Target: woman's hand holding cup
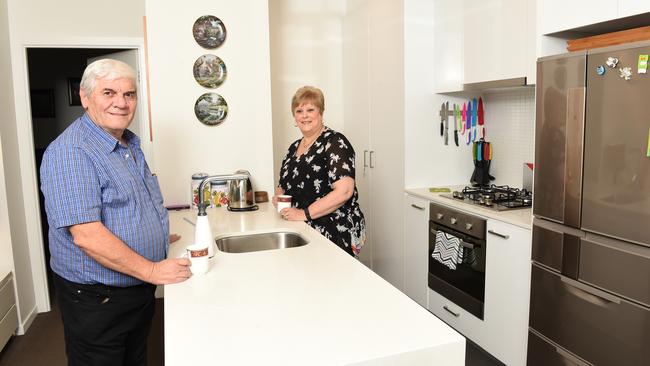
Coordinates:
[283,201]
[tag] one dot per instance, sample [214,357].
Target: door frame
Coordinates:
[26,147]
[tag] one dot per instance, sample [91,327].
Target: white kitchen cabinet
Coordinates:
[355,76]
[507,291]
[498,40]
[632,7]
[558,15]
[8,314]
[448,44]
[416,248]
[503,332]
[374,109]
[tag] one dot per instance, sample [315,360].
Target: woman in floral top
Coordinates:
[318,173]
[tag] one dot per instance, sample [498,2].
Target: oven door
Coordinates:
[465,285]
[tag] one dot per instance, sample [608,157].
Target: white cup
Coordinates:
[198,255]
[284,201]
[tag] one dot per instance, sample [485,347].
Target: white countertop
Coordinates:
[522,217]
[310,305]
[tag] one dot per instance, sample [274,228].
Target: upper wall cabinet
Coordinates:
[499,39]
[632,7]
[561,15]
[486,40]
[448,45]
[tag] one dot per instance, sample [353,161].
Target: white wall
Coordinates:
[8,117]
[306,49]
[510,126]
[38,23]
[182,145]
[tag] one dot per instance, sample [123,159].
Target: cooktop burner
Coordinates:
[499,198]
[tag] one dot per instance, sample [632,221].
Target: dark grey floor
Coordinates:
[43,344]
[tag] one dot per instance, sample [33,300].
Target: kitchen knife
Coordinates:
[468,124]
[475,119]
[463,115]
[447,123]
[481,119]
[456,121]
[443,113]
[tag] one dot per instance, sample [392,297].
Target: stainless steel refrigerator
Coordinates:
[590,290]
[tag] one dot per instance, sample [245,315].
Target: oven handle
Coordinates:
[462,242]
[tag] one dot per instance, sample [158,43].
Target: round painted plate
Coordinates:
[209,71]
[209,31]
[211,109]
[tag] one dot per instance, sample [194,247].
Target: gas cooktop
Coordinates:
[499,198]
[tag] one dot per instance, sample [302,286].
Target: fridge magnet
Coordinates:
[611,62]
[626,73]
[642,65]
[209,71]
[209,31]
[211,109]
[600,70]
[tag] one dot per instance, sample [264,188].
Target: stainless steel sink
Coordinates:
[258,242]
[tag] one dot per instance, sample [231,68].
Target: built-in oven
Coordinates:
[464,285]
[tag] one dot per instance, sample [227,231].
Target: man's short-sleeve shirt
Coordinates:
[86,176]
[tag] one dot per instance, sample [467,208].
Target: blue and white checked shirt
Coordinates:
[86,176]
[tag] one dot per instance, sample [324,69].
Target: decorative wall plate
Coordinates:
[211,109]
[209,71]
[209,31]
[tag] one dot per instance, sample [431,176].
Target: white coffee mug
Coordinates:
[198,255]
[284,201]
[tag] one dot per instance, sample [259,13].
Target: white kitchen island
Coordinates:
[310,305]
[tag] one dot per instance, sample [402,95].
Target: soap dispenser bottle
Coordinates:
[202,232]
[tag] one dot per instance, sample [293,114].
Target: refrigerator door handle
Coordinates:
[590,294]
[575,119]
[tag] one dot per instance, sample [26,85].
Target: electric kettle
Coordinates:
[240,193]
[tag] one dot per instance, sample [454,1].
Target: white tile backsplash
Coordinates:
[510,127]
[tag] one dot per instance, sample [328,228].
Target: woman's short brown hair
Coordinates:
[308,94]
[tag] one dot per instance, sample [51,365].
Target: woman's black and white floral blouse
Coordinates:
[310,176]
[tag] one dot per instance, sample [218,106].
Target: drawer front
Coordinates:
[543,353]
[8,326]
[596,326]
[6,297]
[457,318]
[617,267]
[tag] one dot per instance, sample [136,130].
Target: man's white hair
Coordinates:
[105,69]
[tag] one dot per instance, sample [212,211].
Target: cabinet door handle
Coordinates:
[365,159]
[503,236]
[371,152]
[416,206]
[570,357]
[451,312]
